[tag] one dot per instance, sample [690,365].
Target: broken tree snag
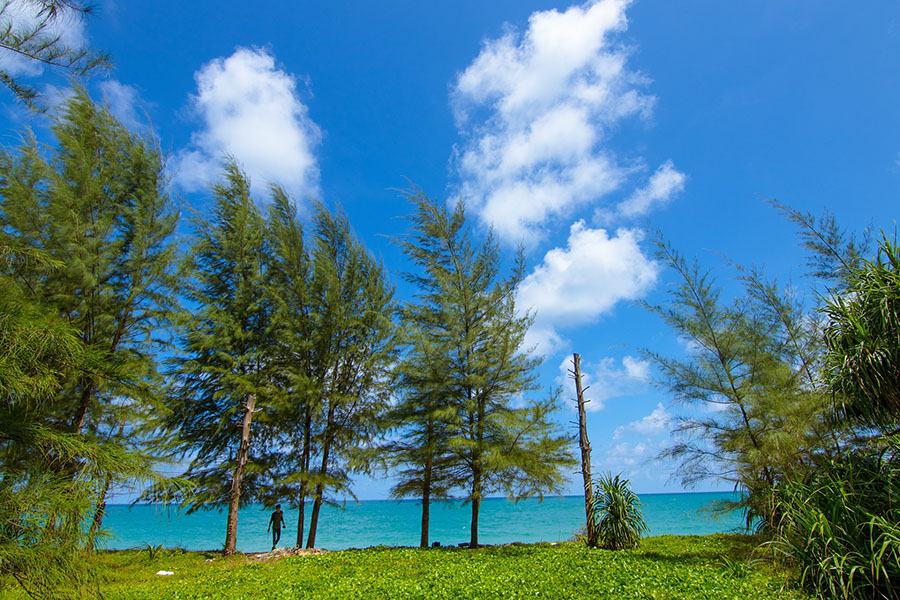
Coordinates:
[239,469]
[585,455]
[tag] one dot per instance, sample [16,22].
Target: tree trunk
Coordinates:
[585,457]
[302,505]
[476,506]
[97,521]
[304,466]
[239,470]
[314,517]
[426,503]
[83,403]
[320,487]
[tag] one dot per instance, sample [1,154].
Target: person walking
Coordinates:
[276,522]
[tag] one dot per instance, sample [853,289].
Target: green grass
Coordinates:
[661,567]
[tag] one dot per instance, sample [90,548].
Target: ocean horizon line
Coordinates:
[453,499]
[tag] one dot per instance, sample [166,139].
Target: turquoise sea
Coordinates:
[393,523]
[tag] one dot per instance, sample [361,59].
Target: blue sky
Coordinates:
[574,129]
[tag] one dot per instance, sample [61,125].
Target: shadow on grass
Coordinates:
[679,550]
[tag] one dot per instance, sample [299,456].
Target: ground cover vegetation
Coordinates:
[708,567]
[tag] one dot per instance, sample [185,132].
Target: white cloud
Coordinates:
[636,369]
[665,183]
[655,423]
[250,110]
[534,110]
[628,455]
[606,379]
[541,340]
[577,284]
[55,97]
[122,100]
[23,17]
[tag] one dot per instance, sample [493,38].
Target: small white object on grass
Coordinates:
[165,572]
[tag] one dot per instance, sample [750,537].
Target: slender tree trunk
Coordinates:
[99,511]
[426,503]
[314,517]
[585,457]
[304,465]
[317,497]
[239,470]
[83,403]
[476,506]
[301,503]
[317,500]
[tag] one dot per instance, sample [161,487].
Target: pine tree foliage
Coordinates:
[48,472]
[98,204]
[750,377]
[29,33]
[296,407]
[92,225]
[468,314]
[221,370]
[831,249]
[420,449]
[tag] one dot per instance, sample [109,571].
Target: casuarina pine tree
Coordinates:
[334,344]
[499,441]
[95,200]
[220,372]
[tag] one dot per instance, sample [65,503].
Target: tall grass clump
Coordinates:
[617,513]
[841,527]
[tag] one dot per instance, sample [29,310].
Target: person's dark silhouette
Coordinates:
[276,522]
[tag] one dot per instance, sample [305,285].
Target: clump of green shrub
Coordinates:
[617,514]
[841,527]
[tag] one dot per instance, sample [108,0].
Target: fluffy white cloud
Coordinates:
[534,109]
[23,17]
[606,379]
[577,284]
[663,185]
[636,369]
[250,110]
[655,423]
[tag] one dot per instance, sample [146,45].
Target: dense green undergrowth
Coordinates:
[691,567]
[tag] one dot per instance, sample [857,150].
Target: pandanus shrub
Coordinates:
[617,513]
[841,527]
[862,364]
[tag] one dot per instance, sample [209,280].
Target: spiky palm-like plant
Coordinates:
[862,363]
[841,527]
[617,513]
